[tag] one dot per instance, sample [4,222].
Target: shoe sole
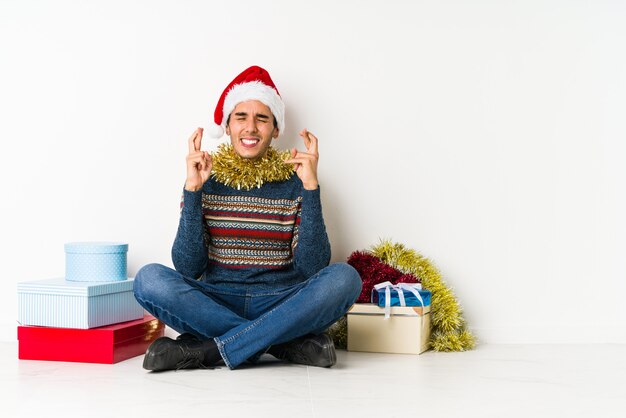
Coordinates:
[329,358]
[332,354]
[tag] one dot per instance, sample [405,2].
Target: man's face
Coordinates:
[251,129]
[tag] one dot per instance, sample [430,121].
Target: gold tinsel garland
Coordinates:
[339,332]
[449,331]
[231,169]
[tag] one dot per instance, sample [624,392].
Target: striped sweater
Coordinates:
[264,237]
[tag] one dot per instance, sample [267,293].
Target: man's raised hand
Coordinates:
[305,163]
[199,163]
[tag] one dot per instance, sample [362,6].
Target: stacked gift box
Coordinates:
[397,320]
[90,315]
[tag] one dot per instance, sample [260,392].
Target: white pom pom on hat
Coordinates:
[254,83]
[214,131]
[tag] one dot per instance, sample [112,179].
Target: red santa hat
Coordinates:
[253,83]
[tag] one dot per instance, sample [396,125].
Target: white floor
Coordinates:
[491,381]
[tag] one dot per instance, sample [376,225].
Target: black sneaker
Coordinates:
[167,354]
[311,350]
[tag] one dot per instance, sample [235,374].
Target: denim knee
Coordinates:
[147,281]
[347,280]
[343,284]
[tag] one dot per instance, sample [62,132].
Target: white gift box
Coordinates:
[68,304]
[406,331]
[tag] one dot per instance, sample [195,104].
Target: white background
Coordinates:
[487,135]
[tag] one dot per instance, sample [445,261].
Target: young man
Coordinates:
[251,252]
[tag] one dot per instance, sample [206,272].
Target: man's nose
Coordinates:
[251,125]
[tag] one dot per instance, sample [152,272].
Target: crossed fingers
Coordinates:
[305,163]
[310,142]
[195,140]
[311,154]
[198,158]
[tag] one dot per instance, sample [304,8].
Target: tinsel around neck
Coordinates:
[233,170]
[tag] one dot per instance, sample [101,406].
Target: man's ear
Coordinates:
[275,133]
[227,130]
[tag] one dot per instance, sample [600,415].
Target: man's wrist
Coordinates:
[191,188]
[311,185]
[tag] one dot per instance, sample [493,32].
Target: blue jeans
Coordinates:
[245,322]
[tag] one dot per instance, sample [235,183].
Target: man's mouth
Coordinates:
[249,142]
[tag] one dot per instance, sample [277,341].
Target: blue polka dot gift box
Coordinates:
[73,304]
[95,261]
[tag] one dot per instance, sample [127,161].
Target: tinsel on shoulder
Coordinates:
[231,169]
[395,263]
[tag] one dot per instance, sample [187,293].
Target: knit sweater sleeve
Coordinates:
[189,252]
[312,252]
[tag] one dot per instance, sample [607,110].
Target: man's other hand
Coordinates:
[199,163]
[305,163]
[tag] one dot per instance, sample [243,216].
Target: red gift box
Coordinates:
[109,344]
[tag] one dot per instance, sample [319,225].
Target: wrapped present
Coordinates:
[109,344]
[70,304]
[405,331]
[387,294]
[95,261]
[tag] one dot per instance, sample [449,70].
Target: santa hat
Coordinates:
[254,83]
